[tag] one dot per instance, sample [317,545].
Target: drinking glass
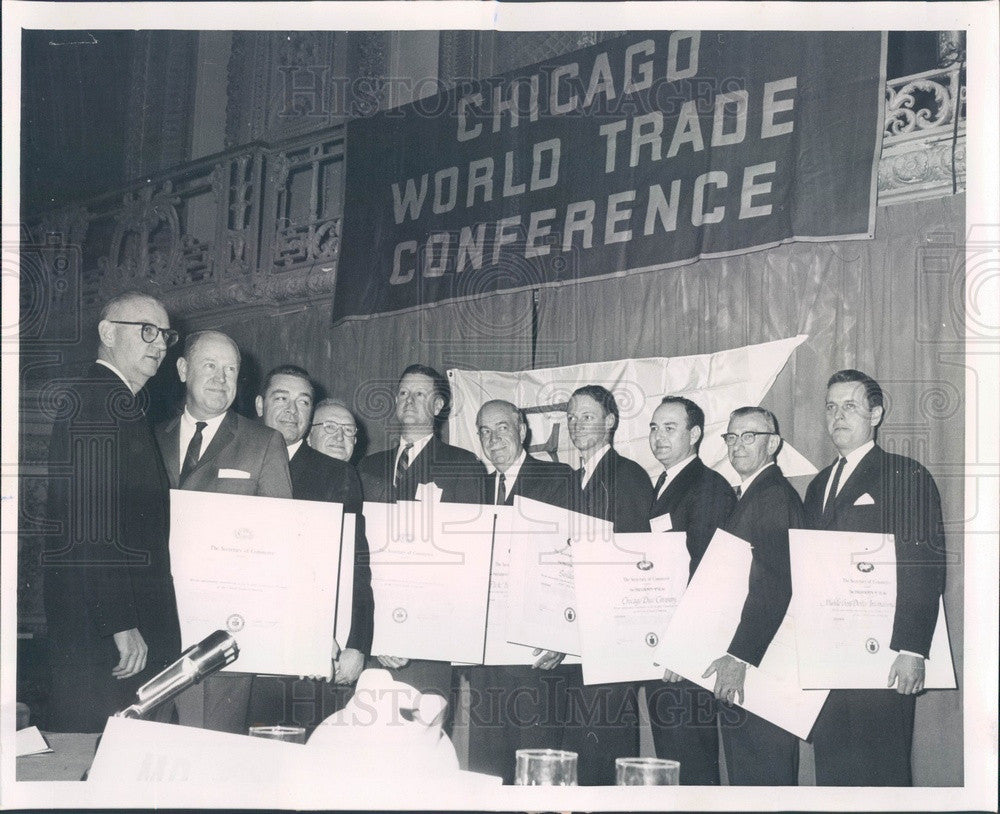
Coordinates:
[545,767]
[647,771]
[291,734]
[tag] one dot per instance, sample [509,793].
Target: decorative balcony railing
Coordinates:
[261,224]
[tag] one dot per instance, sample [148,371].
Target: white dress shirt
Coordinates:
[673,472]
[852,459]
[509,476]
[590,464]
[188,429]
[418,447]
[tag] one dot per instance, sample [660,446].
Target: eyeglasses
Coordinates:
[150,331]
[747,437]
[331,427]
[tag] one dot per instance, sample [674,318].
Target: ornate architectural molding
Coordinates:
[923,143]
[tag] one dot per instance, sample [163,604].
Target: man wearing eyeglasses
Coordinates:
[864,737]
[210,448]
[767,506]
[285,404]
[108,594]
[334,431]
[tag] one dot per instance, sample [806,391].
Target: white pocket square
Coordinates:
[865,500]
[234,473]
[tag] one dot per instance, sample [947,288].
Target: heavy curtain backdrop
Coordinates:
[892,307]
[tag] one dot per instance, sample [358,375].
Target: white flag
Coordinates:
[717,382]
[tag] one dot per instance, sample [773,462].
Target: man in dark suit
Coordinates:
[209,448]
[603,719]
[758,753]
[864,737]
[515,706]
[286,405]
[419,458]
[692,498]
[108,594]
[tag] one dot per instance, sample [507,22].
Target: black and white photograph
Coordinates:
[490,405]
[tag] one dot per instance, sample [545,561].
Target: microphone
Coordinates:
[211,654]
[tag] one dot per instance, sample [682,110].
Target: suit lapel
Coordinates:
[679,486]
[170,449]
[222,437]
[861,479]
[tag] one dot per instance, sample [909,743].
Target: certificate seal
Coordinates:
[865,567]
[652,639]
[644,565]
[570,614]
[399,615]
[243,534]
[235,623]
[871,645]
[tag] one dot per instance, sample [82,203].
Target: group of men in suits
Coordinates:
[112,614]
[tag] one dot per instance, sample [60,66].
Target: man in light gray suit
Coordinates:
[209,448]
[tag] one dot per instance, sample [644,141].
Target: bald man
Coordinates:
[108,593]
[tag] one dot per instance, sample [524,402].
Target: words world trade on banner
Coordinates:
[672,136]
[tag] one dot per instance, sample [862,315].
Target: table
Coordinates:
[71,756]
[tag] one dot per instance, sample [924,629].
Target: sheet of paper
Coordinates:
[542,602]
[345,586]
[30,741]
[627,588]
[703,626]
[661,523]
[430,575]
[844,600]
[263,569]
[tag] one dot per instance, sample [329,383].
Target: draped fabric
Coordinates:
[892,307]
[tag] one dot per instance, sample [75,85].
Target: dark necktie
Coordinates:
[402,464]
[502,489]
[659,484]
[193,451]
[831,499]
[739,490]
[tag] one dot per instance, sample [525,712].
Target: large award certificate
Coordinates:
[844,599]
[264,569]
[627,588]
[703,626]
[430,576]
[542,608]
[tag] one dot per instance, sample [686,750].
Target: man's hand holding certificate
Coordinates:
[703,625]
[844,599]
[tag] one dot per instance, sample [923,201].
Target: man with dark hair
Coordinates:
[420,457]
[286,405]
[603,719]
[758,753]
[210,448]
[108,593]
[864,737]
[515,706]
[692,498]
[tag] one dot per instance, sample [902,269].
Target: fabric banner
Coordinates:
[645,151]
[717,382]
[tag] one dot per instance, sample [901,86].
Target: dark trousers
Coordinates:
[864,738]
[602,723]
[514,707]
[758,753]
[293,701]
[683,720]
